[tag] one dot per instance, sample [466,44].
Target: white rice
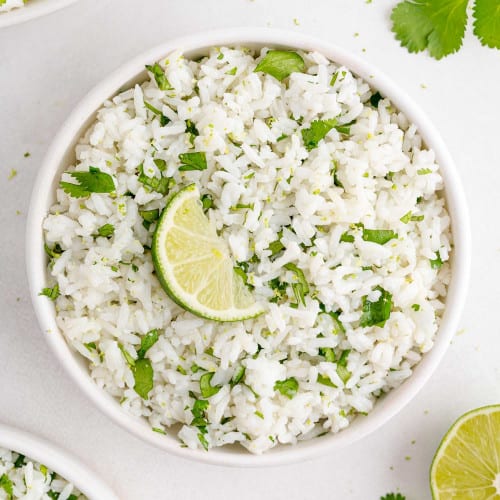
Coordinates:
[7,5]
[110,296]
[25,479]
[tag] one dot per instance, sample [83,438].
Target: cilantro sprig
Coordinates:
[439,25]
[93,181]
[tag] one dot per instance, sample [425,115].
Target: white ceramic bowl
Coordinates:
[57,460]
[61,154]
[33,9]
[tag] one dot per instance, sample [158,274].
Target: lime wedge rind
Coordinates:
[474,472]
[209,248]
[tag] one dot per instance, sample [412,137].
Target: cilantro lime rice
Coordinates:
[333,211]
[21,477]
[6,5]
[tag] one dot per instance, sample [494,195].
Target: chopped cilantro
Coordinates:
[318,130]
[148,341]
[328,353]
[51,293]
[143,377]
[259,414]
[281,64]
[407,217]
[19,461]
[243,275]
[287,387]
[106,231]
[346,238]
[324,380]
[393,496]
[375,99]
[90,346]
[207,201]
[241,206]
[334,78]
[238,375]
[203,441]
[193,161]
[276,246]
[232,71]
[206,389]
[191,130]
[93,181]
[128,357]
[159,75]
[301,288]
[380,236]
[164,120]
[7,486]
[159,184]
[158,430]
[424,171]
[437,262]
[415,307]
[378,312]
[149,216]
[342,371]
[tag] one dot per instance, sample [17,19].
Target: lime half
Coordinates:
[467,463]
[194,265]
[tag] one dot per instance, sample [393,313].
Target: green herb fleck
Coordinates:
[207,201]
[437,262]
[287,387]
[7,486]
[206,389]
[232,71]
[324,380]
[415,307]
[51,293]
[148,341]
[106,231]
[238,375]
[143,376]
[375,99]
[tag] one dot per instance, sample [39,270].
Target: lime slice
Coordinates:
[194,265]
[467,463]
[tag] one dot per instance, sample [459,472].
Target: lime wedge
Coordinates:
[194,265]
[467,462]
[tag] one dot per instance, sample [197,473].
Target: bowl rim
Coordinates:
[56,459]
[456,204]
[31,11]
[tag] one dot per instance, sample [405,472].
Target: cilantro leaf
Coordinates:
[393,496]
[51,293]
[437,262]
[160,78]
[380,236]
[93,181]
[106,230]
[193,161]
[487,22]
[324,380]
[287,387]
[207,201]
[207,390]
[6,485]
[281,64]
[148,341]
[435,25]
[143,377]
[149,216]
[378,312]
[319,129]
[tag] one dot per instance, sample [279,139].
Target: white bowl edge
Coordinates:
[56,459]
[43,194]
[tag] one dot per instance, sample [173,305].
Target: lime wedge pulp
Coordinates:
[194,264]
[467,462]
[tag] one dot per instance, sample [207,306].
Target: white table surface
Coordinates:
[47,65]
